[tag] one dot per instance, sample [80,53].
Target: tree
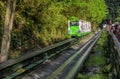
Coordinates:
[39,23]
[9,18]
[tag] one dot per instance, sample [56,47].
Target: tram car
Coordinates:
[78,28]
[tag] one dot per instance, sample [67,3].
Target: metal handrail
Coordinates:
[114,54]
[116,42]
[11,62]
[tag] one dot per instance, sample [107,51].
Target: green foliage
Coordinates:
[39,23]
[106,68]
[98,48]
[96,76]
[116,11]
[96,61]
[92,10]
[103,41]
[14,54]
[118,14]
[101,46]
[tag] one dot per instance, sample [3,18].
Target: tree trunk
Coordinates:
[11,5]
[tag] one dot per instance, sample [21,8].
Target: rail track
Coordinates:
[74,62]
[15,67]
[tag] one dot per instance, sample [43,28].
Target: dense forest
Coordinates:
[114,10]
[38,23]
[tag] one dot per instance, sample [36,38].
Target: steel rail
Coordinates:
[24,69]
[31,54]
[67,62]
[75,68]
[116,42]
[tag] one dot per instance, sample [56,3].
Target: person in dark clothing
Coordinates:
[112,28]
[117,32]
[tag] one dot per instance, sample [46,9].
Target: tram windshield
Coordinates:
[74,23]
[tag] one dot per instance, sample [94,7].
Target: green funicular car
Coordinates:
[78,28]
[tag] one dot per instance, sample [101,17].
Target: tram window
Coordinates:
[74,23]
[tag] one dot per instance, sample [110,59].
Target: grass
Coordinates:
[96,76]
[97,59]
